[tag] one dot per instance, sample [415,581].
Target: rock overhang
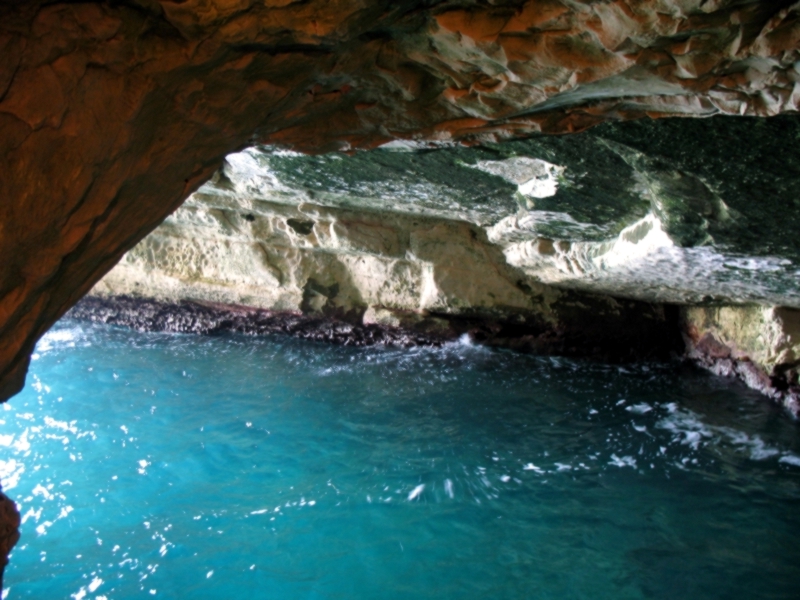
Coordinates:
[681,211]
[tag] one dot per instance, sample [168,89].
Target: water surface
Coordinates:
[231,467]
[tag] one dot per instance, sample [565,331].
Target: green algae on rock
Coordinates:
[648,210]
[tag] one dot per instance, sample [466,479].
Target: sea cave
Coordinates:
[371,298]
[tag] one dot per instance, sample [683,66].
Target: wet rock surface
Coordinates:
[759,345]
[624,339]
[206,319]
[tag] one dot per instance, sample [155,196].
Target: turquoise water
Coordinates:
[231,467]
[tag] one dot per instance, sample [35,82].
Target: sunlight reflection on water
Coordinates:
[226,467]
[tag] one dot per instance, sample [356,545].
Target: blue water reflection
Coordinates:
[231,467]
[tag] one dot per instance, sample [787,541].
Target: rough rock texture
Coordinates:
[112,113]
[9,530]
[760,345]
[634,331]
[319,259]
[210,319]
[658,211]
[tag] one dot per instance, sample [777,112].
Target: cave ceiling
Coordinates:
[681,211]
[112,113]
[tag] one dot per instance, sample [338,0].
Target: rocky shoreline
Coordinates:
[720,359]
[208,319]
[647,340]
[667,339]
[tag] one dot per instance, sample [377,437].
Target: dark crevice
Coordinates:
[275,49]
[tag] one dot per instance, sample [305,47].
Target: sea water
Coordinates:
[179,466]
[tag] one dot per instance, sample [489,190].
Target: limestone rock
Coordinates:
[624,210]
[406,239]
[760,345]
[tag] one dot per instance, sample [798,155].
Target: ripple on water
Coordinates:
[221,467]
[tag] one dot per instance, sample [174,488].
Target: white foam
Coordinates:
[415,493]
[42,529]
[686,427]
[96,583]
[22,445]
[690,430]
[465,340]
[625,461]
[448,488]
[79,595]
[790,459]
[36,514]
[40,490]
[754,445]
[62,335]
[62,425]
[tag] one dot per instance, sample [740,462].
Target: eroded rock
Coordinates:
[400,238]
[760,345]
[658,212]
[9,530]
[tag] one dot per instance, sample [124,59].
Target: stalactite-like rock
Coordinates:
[111,113]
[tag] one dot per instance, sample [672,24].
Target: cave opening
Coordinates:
[359,298]
[461,431]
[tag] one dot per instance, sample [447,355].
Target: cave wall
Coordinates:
[658,211]
[319,259]
[111,113]
[758,344]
